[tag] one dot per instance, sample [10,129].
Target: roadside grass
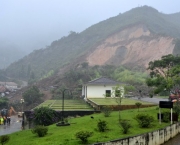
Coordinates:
[112,101]
[65,135]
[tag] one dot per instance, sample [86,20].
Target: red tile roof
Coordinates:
[2,89]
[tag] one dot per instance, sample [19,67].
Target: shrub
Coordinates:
[40,130]
[83,136]
[4,139]
[138,104]
[66,120]
[176,107]
[102,125]
[151,95]
[144,120]
[125,125]
[45,116]
[165,117]
[106,110]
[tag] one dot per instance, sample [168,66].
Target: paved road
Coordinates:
[152,100]
[14,126]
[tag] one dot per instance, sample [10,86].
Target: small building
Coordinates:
[2,91]
[101,88]
[9,85]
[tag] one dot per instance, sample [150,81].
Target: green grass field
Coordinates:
[66,135]
[112,101]
[68,105]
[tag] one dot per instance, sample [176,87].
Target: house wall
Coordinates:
[96,91]
[11,87]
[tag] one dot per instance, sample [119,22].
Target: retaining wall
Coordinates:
[117,107]
[157,137]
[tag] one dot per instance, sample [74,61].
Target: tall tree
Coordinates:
[118,94]
[164,74]
[32,95]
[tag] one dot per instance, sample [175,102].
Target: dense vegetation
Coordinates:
[45,116]
[32,95]
[3,102]
[164,74]
[74,78]
[44,62]
[68,135]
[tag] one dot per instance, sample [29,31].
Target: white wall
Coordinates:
[96,91]
[157,137]
[11,87]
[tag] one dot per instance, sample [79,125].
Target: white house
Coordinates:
[101,88]
[2,91]
[9,85]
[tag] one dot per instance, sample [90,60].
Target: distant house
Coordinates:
[9,85]
[101,88]
[2,91]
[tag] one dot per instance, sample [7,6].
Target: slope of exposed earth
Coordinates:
[133,45]
[133,35]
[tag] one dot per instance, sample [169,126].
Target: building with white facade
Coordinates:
[101,88]
[9,85]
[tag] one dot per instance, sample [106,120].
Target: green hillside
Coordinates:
[44,62]
[66,135]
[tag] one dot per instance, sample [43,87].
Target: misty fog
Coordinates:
[34,24]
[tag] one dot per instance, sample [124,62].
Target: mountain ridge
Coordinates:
[76,47]
[126,39]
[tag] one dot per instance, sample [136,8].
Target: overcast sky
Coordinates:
[34,24]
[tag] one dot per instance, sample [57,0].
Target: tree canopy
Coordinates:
[45,116]
[164,74]
[32,95]
[3,102]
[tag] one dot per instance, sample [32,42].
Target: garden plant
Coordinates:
[41,131]
[83,136]
[4,139]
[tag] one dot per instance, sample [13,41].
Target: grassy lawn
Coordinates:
[66,135]
[81,105]
[112,101]
[68,105]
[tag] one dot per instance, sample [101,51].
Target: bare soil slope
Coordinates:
[133,45]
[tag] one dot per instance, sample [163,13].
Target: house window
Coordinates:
[108,93]
[117,93]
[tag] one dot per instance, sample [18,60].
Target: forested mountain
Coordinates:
[9,53]
[133,39]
